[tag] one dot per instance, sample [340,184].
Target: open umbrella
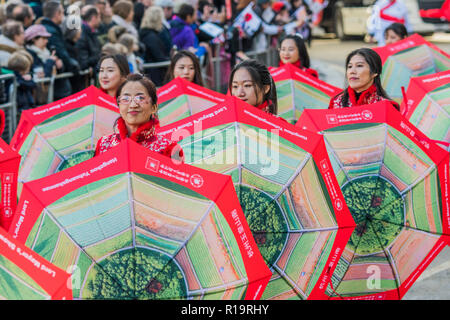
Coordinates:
[285,185]
[61,134]
[180,98]
[395,182]
[25,275]
[410,57]
[134,225]
[9,168]
[427,105]
[297,90]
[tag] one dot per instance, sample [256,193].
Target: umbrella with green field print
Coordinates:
[63,133]
[395,181]
[286,188]
[132,224]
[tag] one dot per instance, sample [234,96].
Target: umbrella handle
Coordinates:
[405,100]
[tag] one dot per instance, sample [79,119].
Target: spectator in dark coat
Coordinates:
[89,46]
[71,38]
[20,63]
[153,35]
[53,17]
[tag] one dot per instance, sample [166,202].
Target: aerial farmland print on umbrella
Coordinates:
[131,224]
[410,57]
[297,90]
[395,181]
[286,188]
[61,134]
[180,99]
[25,275]
[427,105]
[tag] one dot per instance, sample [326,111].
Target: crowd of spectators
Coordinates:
[41,38]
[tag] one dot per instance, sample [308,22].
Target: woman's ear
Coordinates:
[266,89]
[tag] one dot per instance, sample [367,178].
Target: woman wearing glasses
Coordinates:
[138,120]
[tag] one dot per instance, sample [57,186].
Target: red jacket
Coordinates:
[145,135]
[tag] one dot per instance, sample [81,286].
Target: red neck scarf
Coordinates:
[145,130]
[296,64]
[364,96]
[264,106]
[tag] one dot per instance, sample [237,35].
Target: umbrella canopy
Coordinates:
[61,134]
[180,98]
[410,57]
[395,183]
[9,168]
[25,275]
[134,225]
[297,90]
[427,105]
[282,177]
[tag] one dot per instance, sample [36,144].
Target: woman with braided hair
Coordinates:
[251,82]
[363,70]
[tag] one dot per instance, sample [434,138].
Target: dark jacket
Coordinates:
[155,51]
[25,91]
[89,48]
[62,87]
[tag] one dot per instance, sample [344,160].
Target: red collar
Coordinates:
[144,131]
[264,106]
[296,64]
[363,97]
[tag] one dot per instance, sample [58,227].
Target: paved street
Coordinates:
[328,57]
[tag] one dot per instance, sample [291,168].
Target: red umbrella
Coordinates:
[9,167]
[395,182]
[25,275]
[426,105]
[135,225]
[61,134]
[410,57]
[180,99]
[285,185]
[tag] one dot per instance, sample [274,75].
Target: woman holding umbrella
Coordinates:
[293,50]
[185,64]
[137,101]
[363,70]
[251,82]
[113,69]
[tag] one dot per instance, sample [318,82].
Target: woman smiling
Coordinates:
[363,70]
[137,101]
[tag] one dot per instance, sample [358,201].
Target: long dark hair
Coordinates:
[301,47]
[398,28]
[198,79]
[376,67]
[261,77]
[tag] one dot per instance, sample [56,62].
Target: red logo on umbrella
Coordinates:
[367,115]
[332,119]
[196,180]
[248,17]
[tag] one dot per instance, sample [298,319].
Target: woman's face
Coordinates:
[243,87]
[109,75]
[135,104]
[184,68]
[358,72]
[41,42]
[392,37]
[289,51]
